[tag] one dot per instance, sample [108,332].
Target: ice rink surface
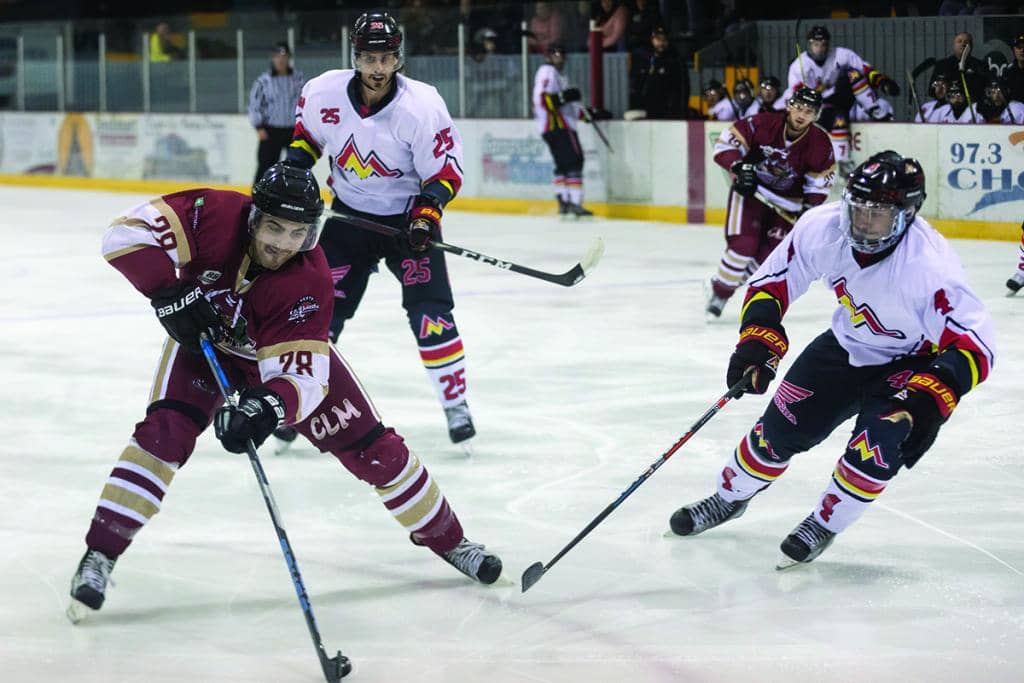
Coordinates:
[575,391]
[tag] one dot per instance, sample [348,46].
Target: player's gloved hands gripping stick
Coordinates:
[424,222]
[744,178]
[185,313]
[569,95]
[258,413]
[929,398]
[761,348]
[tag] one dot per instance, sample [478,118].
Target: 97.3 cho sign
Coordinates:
[981,169]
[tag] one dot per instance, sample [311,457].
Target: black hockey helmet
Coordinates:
[743,90]
[821,33]
[806,96]
[377,32]
[881,199]
[770,82]
[994,85]
[818,32]
[291,194]
[955,88]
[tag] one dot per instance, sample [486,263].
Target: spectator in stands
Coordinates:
[489,79]
[665,88]
[646,17]
[997,107]
[974,68]
[938,89]
[272,101]
[546,27]
[1015,73]
[720,105]
[612,18]
[769,94]
[162,46]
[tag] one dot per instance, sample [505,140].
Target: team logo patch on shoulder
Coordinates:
[303,309]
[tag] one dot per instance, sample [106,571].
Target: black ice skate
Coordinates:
[563,206]
[285,437]
[460,422]
[808,540]
[1015,282]
[474,561]
[705,514]
[577,210]
[89,584]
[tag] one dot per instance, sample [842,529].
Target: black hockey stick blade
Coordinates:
[336,667]
[532,575]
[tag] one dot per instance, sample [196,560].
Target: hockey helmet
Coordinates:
[807,97]
[292,196]
[743,91]
[377,32]
[881,199]
[818,34]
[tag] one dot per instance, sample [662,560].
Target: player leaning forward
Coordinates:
[396,158]
[250,273]
[908,339]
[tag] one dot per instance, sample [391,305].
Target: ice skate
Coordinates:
[1015,282]
[460,423]
[284,437]
[705,514]
[563,206]
[715,304]
[808,540]
[89,584]
[474,561]
[577,210]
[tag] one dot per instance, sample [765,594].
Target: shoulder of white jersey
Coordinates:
[930,255]
[844,53]
[415,95]
[333,80]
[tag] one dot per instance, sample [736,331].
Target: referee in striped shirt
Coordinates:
[272,106]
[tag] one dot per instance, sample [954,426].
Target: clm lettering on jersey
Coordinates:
[322,427]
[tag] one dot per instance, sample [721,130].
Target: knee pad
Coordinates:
[170,429]
[432,322]
[874,449]
[384,462]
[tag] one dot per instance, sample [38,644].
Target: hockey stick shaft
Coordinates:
[334,668]
[963,80]
[785,215]
[534,573]
[913,93]
[567,279]
[600,133]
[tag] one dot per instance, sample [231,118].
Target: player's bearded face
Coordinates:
[276,240]
[801,116]
[376,69]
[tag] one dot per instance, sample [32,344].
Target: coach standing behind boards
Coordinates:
[272,106]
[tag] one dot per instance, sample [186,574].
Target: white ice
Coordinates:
[575,391]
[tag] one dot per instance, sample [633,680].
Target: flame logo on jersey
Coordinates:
[429,326]
[861,315]
[352,160]
[861,444]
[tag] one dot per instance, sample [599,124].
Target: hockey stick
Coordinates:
[590,119]
[785,215]
[913,94]
[566,279]
[963,80]
[535,571]
[334,668]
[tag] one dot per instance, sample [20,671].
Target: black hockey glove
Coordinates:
[569,95]
[761,348]
[257,415]
[888,86]
[424,222]
[929,398]
[745,180]
[185,313]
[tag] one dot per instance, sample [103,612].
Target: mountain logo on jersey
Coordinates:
[863,447]
[429,326]
[861,315]
[352,160]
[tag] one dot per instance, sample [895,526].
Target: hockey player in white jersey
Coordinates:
[957,109]
[842,77]
[908,339]
[396,157]
[557,109]
[938,89]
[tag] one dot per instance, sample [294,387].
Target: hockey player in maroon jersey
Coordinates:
[908,339]
[251,276]
[782,156]
[395,157]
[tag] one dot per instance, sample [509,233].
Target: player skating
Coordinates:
[396,158]
[251,276]
[908,339]
[784,157]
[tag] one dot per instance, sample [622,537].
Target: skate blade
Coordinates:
[282,446]
[77,611]
[786,562]
[466,447]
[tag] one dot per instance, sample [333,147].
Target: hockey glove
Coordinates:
[744,178]
[185,313]
[929,399]
[569,95]
[888,86]
[760,348]
[257,415]
[424,222]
